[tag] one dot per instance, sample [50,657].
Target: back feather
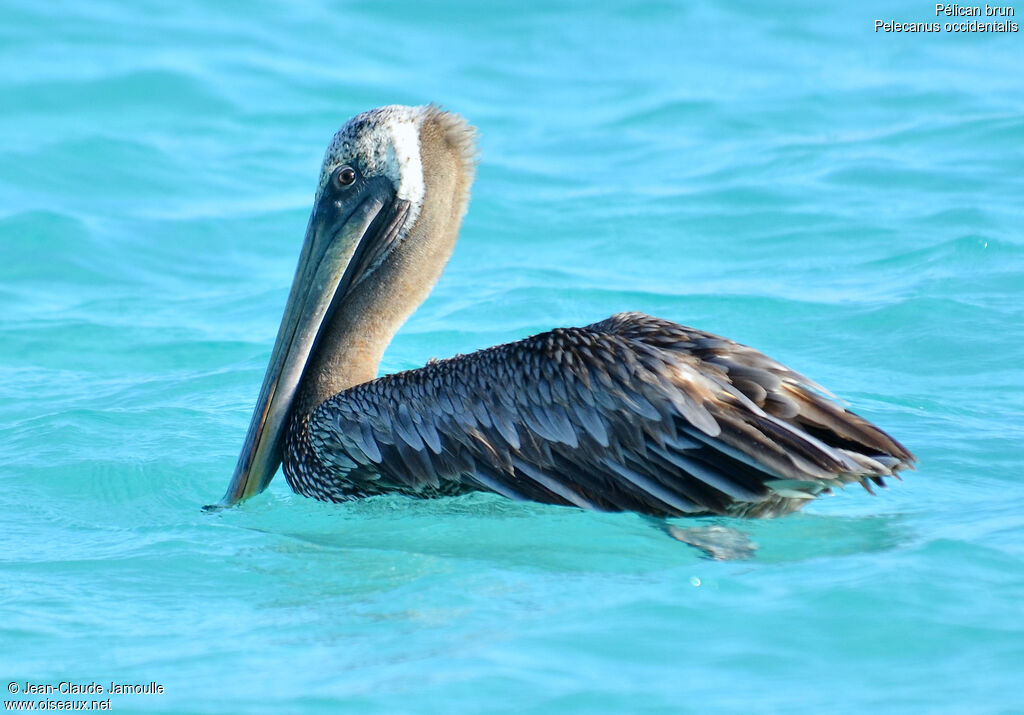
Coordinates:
[631,413]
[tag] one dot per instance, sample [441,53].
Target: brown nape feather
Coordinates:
[459,138]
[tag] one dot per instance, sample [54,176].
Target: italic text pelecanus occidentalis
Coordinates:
[631,413]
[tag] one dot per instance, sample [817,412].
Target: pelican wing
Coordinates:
[632,413]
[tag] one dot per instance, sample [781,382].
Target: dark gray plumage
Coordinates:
[632,413]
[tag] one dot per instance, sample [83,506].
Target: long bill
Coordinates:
[334,256]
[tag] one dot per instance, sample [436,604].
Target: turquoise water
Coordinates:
[849,202]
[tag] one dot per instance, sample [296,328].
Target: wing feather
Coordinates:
[632,413]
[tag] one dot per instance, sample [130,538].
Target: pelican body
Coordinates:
[631,413]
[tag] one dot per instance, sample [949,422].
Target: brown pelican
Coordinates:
[631,413]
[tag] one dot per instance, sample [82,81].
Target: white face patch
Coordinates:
[382,142]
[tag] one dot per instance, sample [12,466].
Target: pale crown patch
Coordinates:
[384,142]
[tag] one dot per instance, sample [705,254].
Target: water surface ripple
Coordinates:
[849,202]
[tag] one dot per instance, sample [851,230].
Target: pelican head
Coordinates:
[393,189]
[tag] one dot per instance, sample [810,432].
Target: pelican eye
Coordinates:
[345,176]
